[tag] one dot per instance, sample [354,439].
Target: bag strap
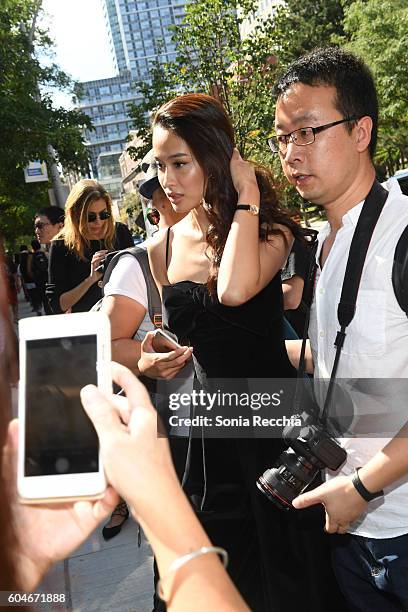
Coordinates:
[400,271]
[370,213]
[153,296]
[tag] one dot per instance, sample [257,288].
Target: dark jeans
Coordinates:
[35,299]
[372,574]
[288,331]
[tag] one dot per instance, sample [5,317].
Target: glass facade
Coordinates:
[138,32]
[106,102]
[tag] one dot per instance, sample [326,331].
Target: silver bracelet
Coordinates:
[178,563]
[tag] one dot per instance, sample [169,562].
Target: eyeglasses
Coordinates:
[92,216]
[40,225]
[153,216]
[302,137]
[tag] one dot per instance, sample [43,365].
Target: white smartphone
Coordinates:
[59,457]
[167,338]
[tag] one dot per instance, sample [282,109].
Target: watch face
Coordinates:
[254,209]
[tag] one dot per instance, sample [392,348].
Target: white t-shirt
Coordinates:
[127,279]
[376,347]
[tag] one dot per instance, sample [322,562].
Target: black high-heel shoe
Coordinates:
[110,532]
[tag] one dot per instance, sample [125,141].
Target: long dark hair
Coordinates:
[203,124]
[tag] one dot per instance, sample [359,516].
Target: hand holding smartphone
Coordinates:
[163,342]
[59,458]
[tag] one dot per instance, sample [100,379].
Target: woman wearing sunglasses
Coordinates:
[89,233]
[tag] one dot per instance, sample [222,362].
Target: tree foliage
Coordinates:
[299,26]
[378,32]
[28,120]
[213,58]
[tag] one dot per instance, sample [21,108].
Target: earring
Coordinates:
[205,204]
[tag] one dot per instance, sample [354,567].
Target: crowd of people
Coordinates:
[215,263]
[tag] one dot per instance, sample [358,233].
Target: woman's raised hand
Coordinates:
[96,261]
[243,176]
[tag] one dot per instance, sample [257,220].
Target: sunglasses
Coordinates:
[40,225]
[92,216]
[153,216]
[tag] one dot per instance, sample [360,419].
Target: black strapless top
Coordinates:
[230,341]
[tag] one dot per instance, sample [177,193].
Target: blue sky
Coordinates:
[81,39]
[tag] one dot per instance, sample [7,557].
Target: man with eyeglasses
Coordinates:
[47,223]
[326,130]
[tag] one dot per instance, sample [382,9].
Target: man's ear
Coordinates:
[363,131]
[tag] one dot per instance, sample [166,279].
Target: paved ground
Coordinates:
[114,575]
[104,576]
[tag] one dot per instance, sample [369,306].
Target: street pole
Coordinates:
[57,185]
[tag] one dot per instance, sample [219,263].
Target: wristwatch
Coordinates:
[253,209]
[358,485]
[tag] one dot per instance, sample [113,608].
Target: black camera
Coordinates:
[311,448]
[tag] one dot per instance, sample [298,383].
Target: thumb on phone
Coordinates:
[10,449]
[147,343]
[101,411]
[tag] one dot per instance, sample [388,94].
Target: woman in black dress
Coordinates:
[219,273]
[88,234]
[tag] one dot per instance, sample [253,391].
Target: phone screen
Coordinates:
[59,436]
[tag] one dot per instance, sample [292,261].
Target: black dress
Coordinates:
[66,271]
[279,560]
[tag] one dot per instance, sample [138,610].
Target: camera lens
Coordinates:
[283,483]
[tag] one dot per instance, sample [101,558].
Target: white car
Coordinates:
[402,178]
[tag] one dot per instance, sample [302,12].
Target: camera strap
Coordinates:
[370,213]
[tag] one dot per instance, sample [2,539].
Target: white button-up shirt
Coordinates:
[376,347]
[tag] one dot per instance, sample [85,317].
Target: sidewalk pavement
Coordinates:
[105,576]
[102,576]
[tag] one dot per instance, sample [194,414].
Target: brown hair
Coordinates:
[75,231]
[203,124]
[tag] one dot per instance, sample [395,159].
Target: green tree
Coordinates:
[28,120]
[299,26]
[378,32]
[212,58]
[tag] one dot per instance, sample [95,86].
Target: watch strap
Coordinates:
[252,208]
[358,485]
